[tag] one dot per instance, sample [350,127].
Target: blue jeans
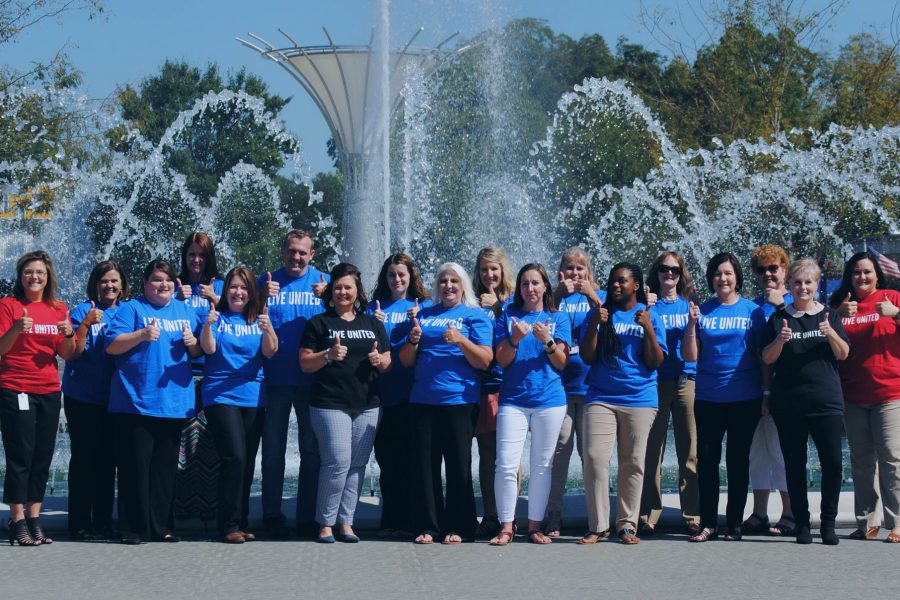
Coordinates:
[274,445]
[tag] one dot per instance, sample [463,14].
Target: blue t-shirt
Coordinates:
[576,306]
[201,305]
[442,375]
[493,377]
[674,316]
[233,374]
[87,378]
[768,309]
[625,380]
[153,379]
[728,369]
[530,381]
[289,311]
[395,385]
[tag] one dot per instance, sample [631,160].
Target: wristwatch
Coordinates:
[550,345]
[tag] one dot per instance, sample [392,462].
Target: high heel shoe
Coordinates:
[34,526]
[18,532]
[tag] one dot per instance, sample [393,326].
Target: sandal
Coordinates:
[870,533]
[594,537]
[786,526]
[706,534]
[629,537]
[424,539]
[504,538]
[892,538]
[756,525]
[451,539]
[537,537]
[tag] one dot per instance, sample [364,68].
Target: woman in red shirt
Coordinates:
[34,329]
[870,378]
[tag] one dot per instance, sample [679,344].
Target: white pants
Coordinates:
[766,461]
[513,423]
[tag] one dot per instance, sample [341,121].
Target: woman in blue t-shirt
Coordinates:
[532,339]
[236,335]
[723,336]
[85,386]
[670,281]
[449,344]
[624,343]
[398,297]
[493,284]
[153,339]
[575,295]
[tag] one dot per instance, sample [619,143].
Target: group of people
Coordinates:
[416,371]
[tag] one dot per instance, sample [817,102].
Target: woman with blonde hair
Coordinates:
[493,288]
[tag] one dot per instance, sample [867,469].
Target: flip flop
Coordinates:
[449,541]
[504,538]
[424,539]
[539,537]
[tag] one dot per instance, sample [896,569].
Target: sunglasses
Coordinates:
[771,269]
[668,269]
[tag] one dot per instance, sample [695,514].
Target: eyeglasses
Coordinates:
[668,269]
[761,270]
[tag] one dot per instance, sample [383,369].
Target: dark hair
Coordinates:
[97,273]
[254,305]
[713,265]
[685,286]
[416,288]
[48,296]
[210,268]
[846,279]
[299,234]
[158,265]
[345,270]
[548,300]
[610,345]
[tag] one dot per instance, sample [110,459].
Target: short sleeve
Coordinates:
[78,314]
[563,331]
[837,324]
[6,315]
[582,333]
[501,328]
[123,322]
[758,327]
[660,330]
[400,333]
[384,342]
[481,329]
[770,331]
[312,333]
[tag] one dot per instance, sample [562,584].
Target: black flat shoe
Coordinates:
[129,541]
[733,534]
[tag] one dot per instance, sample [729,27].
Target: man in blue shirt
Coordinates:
[292,294]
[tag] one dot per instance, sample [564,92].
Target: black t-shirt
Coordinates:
[349,383]
[805,379]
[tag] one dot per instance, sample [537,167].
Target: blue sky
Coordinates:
[133,37]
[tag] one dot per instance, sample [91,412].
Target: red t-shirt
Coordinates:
[871,374]
[30,366]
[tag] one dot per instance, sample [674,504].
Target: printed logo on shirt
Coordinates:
[629,329]
[239,329]
[168,325]
[551,327]
[98,328]
[395,317]
[295,299]
[672,321]
[578,307]
[441,322]
[725,322]
[861,319]
[352,334]
[40,328]
[803,335]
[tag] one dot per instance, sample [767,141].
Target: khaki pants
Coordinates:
[569,439]
[676,397]
[627,428]
[873,432]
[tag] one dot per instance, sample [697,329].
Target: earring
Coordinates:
[356,305]
[331,303]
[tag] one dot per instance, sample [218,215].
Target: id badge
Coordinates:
[23,401]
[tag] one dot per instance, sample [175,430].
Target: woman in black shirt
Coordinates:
[345,349]
[804,341]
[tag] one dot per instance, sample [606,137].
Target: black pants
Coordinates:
[714,420]
[92,466]
[147,455]
[793,434]
[29,438]
[237,431]
[443,432]
[392,451]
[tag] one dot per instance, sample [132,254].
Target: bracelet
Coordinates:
[412,343]
[70,336]
[689,334]
[766,393]
[327,360]
[512,344]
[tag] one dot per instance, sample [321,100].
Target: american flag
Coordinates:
[890,268]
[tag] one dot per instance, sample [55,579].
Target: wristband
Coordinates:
[70,336]
[514,345]
[766,393]
[781,306]
[412,343]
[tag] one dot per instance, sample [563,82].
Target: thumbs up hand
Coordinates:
[188,336]
[693,314]
[337,351]
[415,334]
[825,324]
[642,318]
[785,334]
[184,290]
[519,330]
[375,356]
[542,331]
[213,315]
[94,316]
[413,311]
[150,333]
[65,326]
[566,287]
[651,297]
[24,324]
[886,308]
[848,307]
[319,288]
[273,288]
[208,290]
[379,314]
[452,335]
